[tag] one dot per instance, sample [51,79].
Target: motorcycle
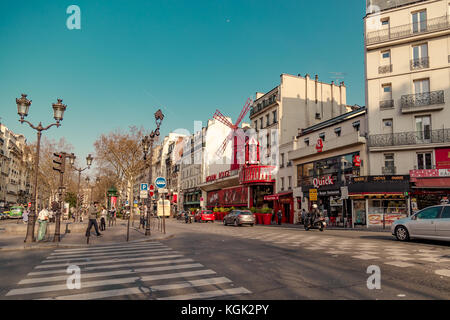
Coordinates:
[318,223]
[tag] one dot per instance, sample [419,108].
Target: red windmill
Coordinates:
[234,127]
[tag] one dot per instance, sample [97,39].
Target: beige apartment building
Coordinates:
[407,53]
[297,102]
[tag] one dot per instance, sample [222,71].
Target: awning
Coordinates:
[433,183]
[277,196]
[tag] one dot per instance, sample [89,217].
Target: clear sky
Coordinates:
[187,57]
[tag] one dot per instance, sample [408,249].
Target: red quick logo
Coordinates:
[324,181]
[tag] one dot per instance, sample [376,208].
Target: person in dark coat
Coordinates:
[279,216]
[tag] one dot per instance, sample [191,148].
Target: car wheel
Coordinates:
[401,233]
[224,222]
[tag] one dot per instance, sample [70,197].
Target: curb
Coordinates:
[43,246]
[327,228]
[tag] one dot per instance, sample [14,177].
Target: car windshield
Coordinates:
[207,212]
[247,213]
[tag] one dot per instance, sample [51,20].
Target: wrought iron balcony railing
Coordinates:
[389,171]
[409,138]
[408,30]
[420,63]
[422,99]
[386,104]
[385,69]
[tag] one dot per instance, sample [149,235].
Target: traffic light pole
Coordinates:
[62,156]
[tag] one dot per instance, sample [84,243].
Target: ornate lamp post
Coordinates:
[147,144]
[89,160]
[23,106]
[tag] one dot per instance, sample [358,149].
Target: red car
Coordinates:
[204,216]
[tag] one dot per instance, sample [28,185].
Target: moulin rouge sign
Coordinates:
[324,181]
[223,174]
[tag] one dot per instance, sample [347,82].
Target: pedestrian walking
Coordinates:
[303,216]
[25,216]
[103,219]
[43,220]
[273,216]
[279,216]
[93,215]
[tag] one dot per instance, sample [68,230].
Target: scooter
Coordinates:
[319,223]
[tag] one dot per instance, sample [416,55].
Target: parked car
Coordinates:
[239,218]
[429,223]
[16,212]
[204,216]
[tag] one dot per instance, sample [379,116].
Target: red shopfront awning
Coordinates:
[433,183]
[277,196]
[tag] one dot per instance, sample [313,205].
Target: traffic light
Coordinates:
[58,161]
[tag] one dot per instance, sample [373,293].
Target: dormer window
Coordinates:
[307,142]
[356,125]
[337,131]
[322,136]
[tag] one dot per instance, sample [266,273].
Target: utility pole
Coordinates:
[60,161]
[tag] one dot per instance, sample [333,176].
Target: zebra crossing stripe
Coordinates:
[142,290]
[114,266]
[119,255]
[119,245]
[78,256]
[208,294]
[90,284]
[112,273]
[107,250]
[82,263]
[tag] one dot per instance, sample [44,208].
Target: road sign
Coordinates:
[344,192]
[312,194]
[163,190]
[160,182]
[152,190]
[143,194]
[144,186]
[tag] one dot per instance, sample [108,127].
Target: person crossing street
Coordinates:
[93,215]
[103,219]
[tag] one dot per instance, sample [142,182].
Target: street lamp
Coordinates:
[23,107]
[147,144]
[89,160]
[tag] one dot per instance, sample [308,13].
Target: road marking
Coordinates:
[108,254]
[82,263]
[112,273]
[62,254]
[443,272]
[436,260]
[114,266]
[400,258]
[99,283]
[400,264]
[142,290]
[119,245]
[208,294]
[365,257]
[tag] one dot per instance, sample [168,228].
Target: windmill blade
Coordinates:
[244,111]
[224,144]
[220,117]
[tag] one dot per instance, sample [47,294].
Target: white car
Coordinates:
[429,223]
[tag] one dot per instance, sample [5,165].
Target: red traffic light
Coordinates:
[58,155]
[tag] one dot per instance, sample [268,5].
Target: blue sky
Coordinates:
[187,57]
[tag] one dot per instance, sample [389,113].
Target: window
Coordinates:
[261,121]
[356,125]
[388,124]
[282,160]
[419,21]
[256,125]
[424,160]
[423,128]
[430,213]
[282,184]
[267,121]
[322,136]
[420,51]
[306,141]
[275,116]
[385,22]
[289,182]
[386,55]
[446,213]
[389,160]
[337,131]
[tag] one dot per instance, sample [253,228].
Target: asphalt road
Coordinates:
[239,263]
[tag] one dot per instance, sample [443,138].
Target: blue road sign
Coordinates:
[160,182]
[144,186]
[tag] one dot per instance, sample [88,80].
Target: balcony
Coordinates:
[389,171]
[410,138]
[262,105]
[408,30]
[385,69]
[422,101]
[386,104]
[421,63]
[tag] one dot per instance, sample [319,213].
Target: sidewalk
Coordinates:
[300,226]
[112,235]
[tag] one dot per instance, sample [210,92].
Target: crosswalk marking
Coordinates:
[443,272]
[115,266]
[103,255]
[400,264]
[112,273]
[118,246]
[141,290]
[62,254]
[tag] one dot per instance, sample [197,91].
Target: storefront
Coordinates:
[283,201]
[429,187]
[226,198]
[191,198]
[377,201]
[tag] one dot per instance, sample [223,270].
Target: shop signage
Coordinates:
[231,196]
[312,194]
[442,158]
[429,173]
[223,174]
[380,179]
[357,161]
[329,193]
[319,145]
[344,192]
[256,174]
[271,197]
[324,181]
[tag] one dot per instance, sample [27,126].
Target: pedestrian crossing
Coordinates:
[148,270]
[396,254]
